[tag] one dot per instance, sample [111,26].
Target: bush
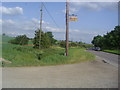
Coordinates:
[42,41]
[73,44]
[62,44]
[20,40]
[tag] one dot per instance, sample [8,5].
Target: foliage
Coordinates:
[74,44]
[108,41]
[97,41]
[42,40]
[21,40]
[52,40]
[62,44]
[46,39]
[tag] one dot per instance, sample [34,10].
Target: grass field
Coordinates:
[28,56]
[113,51]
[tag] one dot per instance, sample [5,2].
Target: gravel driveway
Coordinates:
[93,74]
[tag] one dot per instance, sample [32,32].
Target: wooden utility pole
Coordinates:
[40,25]
[67,26]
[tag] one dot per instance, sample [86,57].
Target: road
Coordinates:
[108,57]
[92,74]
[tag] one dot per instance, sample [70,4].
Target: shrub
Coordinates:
[20,40]
[62,44]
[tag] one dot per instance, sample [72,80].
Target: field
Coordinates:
[28,56]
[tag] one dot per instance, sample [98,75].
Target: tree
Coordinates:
[97,41]
[21,40]
[44,41]
[108,41]
[50,35]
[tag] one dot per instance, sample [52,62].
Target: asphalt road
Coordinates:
[108,57]
[92,74]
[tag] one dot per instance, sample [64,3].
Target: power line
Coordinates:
[50,15]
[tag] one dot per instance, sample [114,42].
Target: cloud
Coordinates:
[28,27]
[91,6]
[84,32]
[14,28]
[74,34]
[38,21]
[0,21]
[53,29]
[11,11]
[9,21]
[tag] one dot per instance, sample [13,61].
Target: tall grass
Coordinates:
[28,56]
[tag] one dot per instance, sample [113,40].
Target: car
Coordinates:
[97,49]
[94,48]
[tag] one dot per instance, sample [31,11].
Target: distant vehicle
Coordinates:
[94,48]
[97,49]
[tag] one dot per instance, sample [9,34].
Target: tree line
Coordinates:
[74,44]
[20,40]
[109,41]
[46,40]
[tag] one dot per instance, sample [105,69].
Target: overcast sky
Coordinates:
[93,18]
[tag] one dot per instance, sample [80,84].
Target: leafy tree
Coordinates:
[44,40]
[108,41]
[97,41]
[21,40]
[50,35]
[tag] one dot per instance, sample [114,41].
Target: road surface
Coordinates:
[92,74]
[108,57]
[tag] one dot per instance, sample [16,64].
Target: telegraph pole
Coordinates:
[40,25]
[67,26]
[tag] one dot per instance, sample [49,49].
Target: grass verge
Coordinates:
[28,56]
[113,51]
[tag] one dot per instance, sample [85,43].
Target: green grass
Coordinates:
[5,39]
[80,55]
[113,51]
[30,42]
[28,56]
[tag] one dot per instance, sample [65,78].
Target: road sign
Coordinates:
[73,19]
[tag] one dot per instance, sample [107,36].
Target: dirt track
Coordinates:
[93,74]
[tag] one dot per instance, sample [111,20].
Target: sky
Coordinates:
[94,18]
